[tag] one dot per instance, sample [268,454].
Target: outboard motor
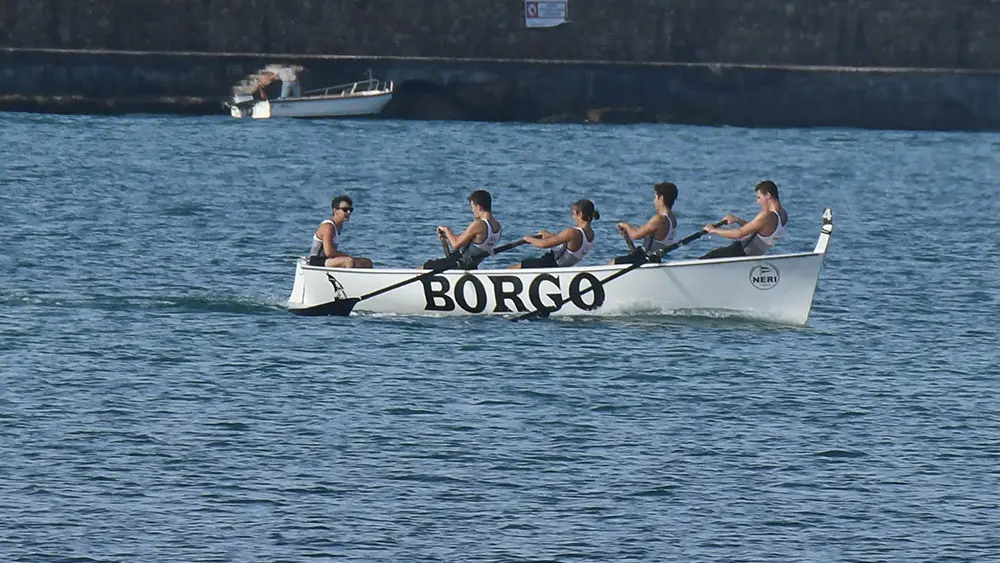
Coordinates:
[241,105]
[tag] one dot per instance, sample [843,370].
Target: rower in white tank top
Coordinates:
[465,249]
[317,243]
[565,257]
[758,244]
[650,243]
[486,247]
[559,255]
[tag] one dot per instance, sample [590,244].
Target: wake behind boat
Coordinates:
[778,288]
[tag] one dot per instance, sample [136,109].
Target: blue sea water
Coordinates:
[157,403]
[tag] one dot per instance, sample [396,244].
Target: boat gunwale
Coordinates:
[568,269]
[280,101]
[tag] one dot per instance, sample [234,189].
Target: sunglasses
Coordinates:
[346,209]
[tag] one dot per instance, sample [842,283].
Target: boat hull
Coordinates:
[776,288]
[325,106]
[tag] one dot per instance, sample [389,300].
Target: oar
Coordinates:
[497,250]
[508,246]
[628,240]
[650,256]
[343,307]
[444,244]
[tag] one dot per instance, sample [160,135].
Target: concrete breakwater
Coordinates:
[77,81]
[855,33]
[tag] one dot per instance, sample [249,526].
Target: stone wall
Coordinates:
[502,90]
[899,33]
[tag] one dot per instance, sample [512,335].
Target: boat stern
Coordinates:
[297,299]
[240,106]
[316,291]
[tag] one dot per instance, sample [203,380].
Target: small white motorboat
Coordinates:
[366,97]
[775,288]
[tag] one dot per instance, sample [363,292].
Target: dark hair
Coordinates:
[668,191]
[587,209]
[340,198]
[768,187]
[482,198]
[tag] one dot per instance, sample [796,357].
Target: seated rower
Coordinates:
[478,240]
[326,241]
[757,236]
[658,232]
[569,246]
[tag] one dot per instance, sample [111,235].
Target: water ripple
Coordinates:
[158,403]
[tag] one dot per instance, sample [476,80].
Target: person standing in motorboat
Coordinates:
[478,240]
[658,232]
[570,245]
[757,236]
[288,75]
[326,240]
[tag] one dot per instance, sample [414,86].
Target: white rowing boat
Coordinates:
[774,288]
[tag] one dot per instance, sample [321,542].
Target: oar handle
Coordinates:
[444,244]
[628,239]
[660,252]
[508,246]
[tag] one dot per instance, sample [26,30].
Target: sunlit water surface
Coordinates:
[158,403]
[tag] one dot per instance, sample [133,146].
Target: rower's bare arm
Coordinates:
[565,237]
[333,252]
[550,240]
[732,219]
[470,235]
[325,233]
[745,229]
[761,222]
[533,240]
[651,226]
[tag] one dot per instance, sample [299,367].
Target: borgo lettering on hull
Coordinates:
[505,293]
[775,288]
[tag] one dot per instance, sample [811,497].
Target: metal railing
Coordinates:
[348,89]
[368,85]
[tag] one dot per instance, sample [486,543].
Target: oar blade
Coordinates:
[336,308]
[541,313]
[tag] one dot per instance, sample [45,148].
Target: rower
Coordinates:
[570,245]
[478,240]
[658,232]
[326,240]
[757,236]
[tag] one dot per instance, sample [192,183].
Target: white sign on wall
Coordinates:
[544,13]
